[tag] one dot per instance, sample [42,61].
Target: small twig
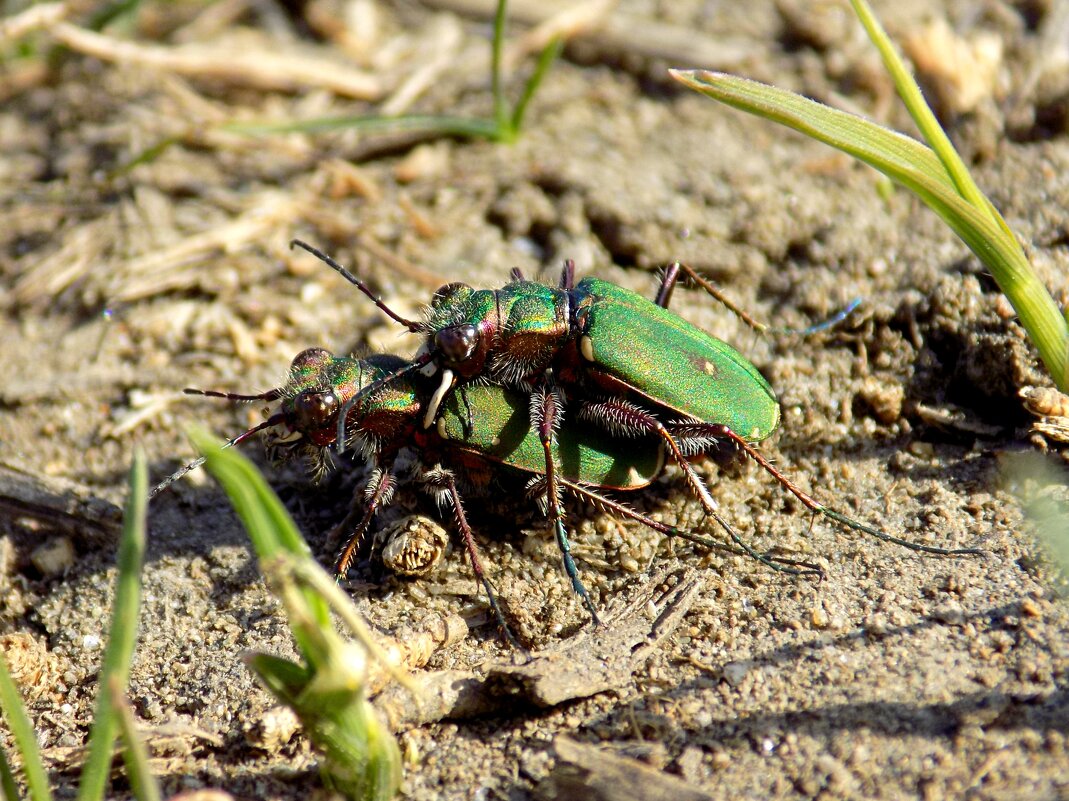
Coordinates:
[33,18]
[155,273]
[61,502]
[80,249]
[625,34]
[337,226]
[445,47]
[586,771]
[144,406]
[412,649]
[602,658]
[427,278]
[263,69]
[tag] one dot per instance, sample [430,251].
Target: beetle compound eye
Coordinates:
[457,342]
[315,413]
[449,292]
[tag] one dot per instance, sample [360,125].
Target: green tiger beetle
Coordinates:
[486,427]
[620,361]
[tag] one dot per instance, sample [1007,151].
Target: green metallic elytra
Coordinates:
[673,363]
[501,430]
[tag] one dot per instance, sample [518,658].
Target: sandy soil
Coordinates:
[900,676]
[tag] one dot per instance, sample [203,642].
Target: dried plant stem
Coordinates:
[261,69]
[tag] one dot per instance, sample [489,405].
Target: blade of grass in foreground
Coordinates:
[266,520]
[135,755]
[115,670]
[938,176]
[327,689]
[25,743]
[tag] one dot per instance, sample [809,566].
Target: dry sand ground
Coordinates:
[900,676]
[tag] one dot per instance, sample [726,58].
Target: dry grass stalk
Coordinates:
[567,23]
[159,272]
[262,69]
[33,18]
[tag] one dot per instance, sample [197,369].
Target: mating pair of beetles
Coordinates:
[586,386]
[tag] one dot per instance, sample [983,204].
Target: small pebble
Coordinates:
[736,672]
[53,557]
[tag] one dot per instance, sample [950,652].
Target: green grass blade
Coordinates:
[362,760]
[916,167]
[135,755]
[146,156]
[275,532]
[283,678]
[550,53]
[855,135]
[25,741]
[327,692]
[312,575]
[919,110]
[8,786]
[269,525]
[115,671]
[502,127]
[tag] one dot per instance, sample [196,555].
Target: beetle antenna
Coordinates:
[270,395]
[414,327]
[756,325]
[273,420]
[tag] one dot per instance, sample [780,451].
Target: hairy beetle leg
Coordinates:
[546,410]
[378,493]
[444,485]
[627,419]
[778,563]
[671,278]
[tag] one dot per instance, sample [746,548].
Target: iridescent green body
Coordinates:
[518,329]
[500,427]
[501,430]
[593,352]
[321,383]
[664,358]
[601,334]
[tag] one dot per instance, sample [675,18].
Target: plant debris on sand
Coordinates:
[145,250]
